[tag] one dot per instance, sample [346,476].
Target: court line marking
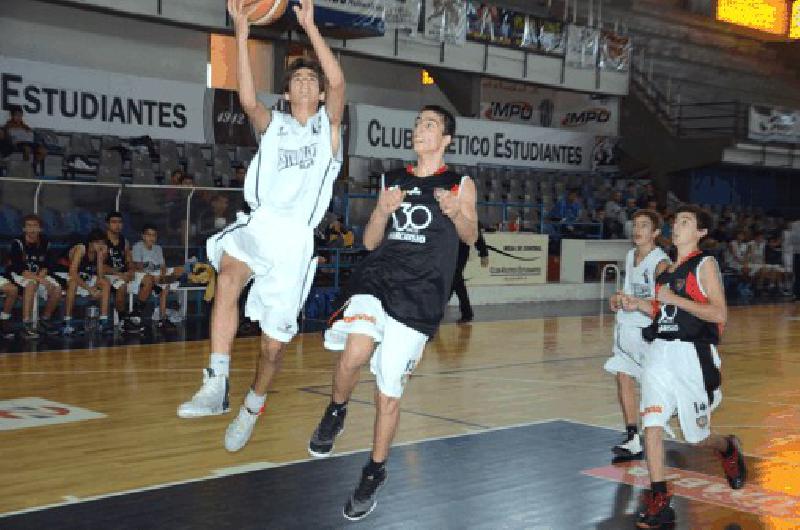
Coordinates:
[228,471]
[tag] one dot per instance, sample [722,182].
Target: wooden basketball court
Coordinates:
[473,381]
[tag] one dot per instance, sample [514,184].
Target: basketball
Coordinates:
[266,11]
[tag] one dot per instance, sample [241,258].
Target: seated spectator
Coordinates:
[338,235]
[755,260]
[738,262]
[86,278]
[774,272]
[648,196]
[187,181]
[216,217]
[118,269]
[22,138]
[565,212]
[612,222]
[151,275]
[237,180]
[10,291]
[31,266]
[176,177]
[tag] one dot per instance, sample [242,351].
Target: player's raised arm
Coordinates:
[258,114]
[334,77]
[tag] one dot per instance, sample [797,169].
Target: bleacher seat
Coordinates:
[110,168]
[142,169]
[222,169]
[168,159]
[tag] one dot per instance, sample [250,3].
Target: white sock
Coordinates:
[254,402]
[220,363]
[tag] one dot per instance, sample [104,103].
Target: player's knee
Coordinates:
[387,404]
[227,282]
[271,349]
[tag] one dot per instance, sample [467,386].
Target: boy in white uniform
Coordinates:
[681,371]
[643,264]
[288,187]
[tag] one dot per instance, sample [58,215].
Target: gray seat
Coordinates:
[222,168]
[196,165]
[110,167]
[168,159]
[142,169]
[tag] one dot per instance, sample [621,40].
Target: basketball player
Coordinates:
[10,290]
[118,271]
[681,371]
[86,277]
[31,264]
[644,262]
[398,293]
[288,188]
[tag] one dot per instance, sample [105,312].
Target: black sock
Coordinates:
[632,430]
[339,407]
[373,467]
[727,453]
[659,487]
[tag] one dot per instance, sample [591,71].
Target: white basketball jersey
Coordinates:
[640,281]
[293,172]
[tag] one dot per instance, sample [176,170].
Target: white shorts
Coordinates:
[399,346]
[627,352]
[672,381]
[280,252]
[788,263]
[134,284]
[41,292]
[91,281]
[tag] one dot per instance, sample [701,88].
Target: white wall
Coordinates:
[386,84]
[74,37]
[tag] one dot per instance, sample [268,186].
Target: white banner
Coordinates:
[774,124]
[446,21]
[68,98]
[582,44]
[403,15]
[546,107]
[378,132]
[514,259]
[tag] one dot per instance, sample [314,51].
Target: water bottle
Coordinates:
[92,318]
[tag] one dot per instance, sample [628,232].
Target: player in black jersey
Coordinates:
[86,278]
[398,293]
[681,371]
[118,271]
[31,266]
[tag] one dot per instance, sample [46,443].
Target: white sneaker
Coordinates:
[240,430]
[210,400]
[630,448]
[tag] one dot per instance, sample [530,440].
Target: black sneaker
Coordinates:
[733,466]
[656,511]
[49,327]
[130,325]
[29,331]
[364,499]
[165,324]
[330,426]
[7,329]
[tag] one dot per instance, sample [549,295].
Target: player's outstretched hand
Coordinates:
[390,199]
[240,16]
[304,13]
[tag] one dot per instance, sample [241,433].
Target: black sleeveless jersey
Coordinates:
[116,254]
[411,271]
[672,323]
[31,257]
[88,265]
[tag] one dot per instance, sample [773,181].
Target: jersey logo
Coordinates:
[409,220]
[666,319]
[303,157]
[414,191]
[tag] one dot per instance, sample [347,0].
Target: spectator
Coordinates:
[773,271]
[118,269]
[459,287]
[216,217]
[176,178]
[237,181]
[10,290]
[338,235]
[565,213]
[31,264]
[755,260]
[21,136]
[187,181]
[648,196]
[738,262]
[86,278]
[151,275]
[614,219]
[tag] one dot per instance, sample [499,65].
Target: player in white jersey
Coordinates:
[643,263]
[288,188]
